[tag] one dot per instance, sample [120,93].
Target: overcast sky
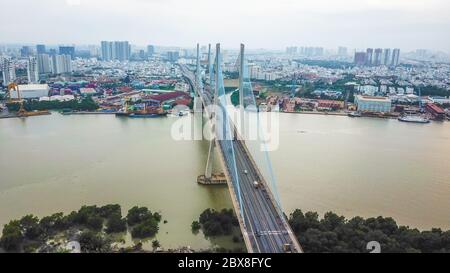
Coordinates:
[271,24]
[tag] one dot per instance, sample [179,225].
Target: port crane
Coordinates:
[15,87]
[22,112]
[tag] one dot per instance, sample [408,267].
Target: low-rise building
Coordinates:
[87,91]
[440,100]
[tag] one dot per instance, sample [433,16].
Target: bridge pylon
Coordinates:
[213,117]
[198,83]
[241,90]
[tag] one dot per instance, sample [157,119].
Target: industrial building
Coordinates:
[31,91]
[435,111]
[373,104]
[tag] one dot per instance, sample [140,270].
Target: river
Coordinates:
[367,167]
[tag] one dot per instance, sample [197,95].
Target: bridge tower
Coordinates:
[210,67]
[212,144]
[198,107]
[241,89]
[198,84]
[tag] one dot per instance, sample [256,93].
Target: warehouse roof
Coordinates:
[33,87]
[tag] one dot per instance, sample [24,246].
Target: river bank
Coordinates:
[365,167]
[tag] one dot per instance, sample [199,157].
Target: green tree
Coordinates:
[30,227]
[155,244]
[55,222]
[331,221]
[110,210]
[216,223]
[12,236]
[95,222]
[137,215]
[145,229]
[195,226]
[93,242]
[115,224]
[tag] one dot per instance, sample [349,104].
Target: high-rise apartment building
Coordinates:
[9,71]
[44,63]
[40,49]
[32,70]
[115,50]
[369,56]
[122,50]
[386,56]
[107,51]
[360,58]
[172,56]
[25,51]
[61,64]
[292,50]
[342,51]
[150,51]
[395,57]
[378,56]
[67,50]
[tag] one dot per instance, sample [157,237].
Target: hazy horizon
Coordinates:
[405,24]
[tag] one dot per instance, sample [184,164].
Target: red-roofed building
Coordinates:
[183,101]
[330,105]
[170,96]
[125,89]
[435,111]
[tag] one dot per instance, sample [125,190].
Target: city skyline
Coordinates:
[259,24]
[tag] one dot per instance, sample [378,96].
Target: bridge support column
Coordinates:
[210,160]
[198,105]
[198,119]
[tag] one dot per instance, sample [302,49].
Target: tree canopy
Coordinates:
[96,223]
[216,223]
[334,233]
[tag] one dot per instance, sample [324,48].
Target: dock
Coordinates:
[25,115]
[216,179]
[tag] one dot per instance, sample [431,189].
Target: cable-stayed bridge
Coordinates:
[249,175]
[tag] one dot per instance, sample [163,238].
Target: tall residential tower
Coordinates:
[32,70]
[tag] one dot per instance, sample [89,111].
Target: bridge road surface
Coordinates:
[265,226]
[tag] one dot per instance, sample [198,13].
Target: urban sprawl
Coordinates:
[117,77]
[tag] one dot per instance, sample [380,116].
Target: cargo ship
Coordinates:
[147,115]
[414,119]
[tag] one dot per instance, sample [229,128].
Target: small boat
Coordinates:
[122,114]
[354,115]
[414,119]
